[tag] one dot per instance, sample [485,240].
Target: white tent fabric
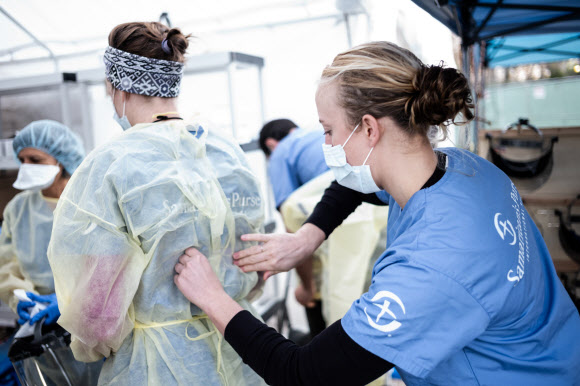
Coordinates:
[297,38]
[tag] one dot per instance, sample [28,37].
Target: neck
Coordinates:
[56,189]
[407,170]
[144,110]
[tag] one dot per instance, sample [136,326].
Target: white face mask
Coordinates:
[357,178]
[35,177]
[122,121]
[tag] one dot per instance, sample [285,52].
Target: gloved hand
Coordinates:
[22,310]
[51,311]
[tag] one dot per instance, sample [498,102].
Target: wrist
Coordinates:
[221,310]
[311,237]
[212,300]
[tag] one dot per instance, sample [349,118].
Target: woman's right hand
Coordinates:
[279,252]
[200,285]
[196,279]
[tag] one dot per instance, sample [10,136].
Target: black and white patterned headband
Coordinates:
[140,75]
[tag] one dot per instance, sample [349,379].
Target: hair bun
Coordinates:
[150,39]
[177,44]
[440,95]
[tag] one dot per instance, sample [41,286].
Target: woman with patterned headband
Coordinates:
[130,211]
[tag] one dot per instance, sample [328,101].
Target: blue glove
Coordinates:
[51,311]
[22,310]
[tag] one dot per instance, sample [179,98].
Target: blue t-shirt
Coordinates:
[297,159]
[466,292]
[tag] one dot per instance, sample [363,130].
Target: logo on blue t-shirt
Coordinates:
[519,234]
[504,227]
[384,310]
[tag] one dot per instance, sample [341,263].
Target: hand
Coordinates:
[196,280]
[51,312]
[305,296]
[22,310]
[279,252]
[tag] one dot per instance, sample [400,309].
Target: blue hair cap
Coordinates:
[53,138]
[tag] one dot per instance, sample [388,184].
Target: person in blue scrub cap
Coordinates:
[49,153]
[294,156]
[465,293]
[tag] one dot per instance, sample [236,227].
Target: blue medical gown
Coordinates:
[297,159]
[466,292]
[128,213]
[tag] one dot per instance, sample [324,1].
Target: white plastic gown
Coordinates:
[127,214]
[23,243]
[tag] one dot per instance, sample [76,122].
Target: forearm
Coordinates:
[332,358]
[11,278]
[220,309]
[336,205]
[304,272]
[312,237]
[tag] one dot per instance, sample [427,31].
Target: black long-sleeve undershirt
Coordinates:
[332,358]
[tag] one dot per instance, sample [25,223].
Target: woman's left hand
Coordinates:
[196,280]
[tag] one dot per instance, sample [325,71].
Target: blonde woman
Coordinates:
[465,293]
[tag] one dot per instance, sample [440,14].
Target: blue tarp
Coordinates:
[516,31]
[514,50]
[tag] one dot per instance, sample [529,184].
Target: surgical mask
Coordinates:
[35,176]
[122,121]
[357,178]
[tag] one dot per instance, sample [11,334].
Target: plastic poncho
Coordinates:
[128,213]
[343,263]
[23,243]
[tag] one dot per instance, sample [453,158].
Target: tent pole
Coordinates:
[348,32]
[464,134]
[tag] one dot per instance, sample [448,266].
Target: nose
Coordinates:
[327,139]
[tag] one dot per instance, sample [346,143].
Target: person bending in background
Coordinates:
[337,280]
[295,158]
[49,153]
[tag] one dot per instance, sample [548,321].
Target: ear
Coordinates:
[271,143]
[62,171]
[372,129]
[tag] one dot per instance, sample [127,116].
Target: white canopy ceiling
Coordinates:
[65,27]
[296,38]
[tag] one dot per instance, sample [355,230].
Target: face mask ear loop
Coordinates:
[124,107]
[356,127]
[368,155]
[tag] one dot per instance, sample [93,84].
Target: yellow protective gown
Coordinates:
[23,243]
[128,213]
[343,263]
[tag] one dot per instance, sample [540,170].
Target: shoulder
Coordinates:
[21,199]
[123,154]
[220,144]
